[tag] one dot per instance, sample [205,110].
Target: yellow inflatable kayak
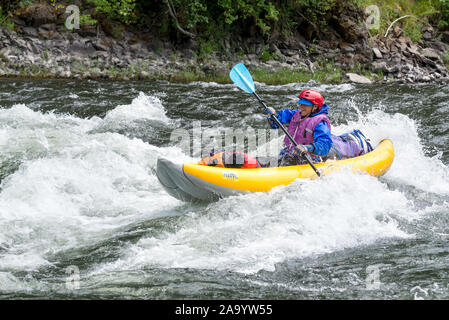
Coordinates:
[193,182]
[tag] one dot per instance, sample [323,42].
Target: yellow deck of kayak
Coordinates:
[375,163]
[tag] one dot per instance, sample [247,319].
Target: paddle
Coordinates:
[242,79]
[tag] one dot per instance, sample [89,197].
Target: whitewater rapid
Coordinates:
[70,182]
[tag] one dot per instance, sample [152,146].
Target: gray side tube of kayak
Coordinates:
[171,176]
[186,187]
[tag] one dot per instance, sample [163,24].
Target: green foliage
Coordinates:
[196,12]
[286,22]
[204,14]
[265,55]
[390,10]
[312,48]
[413,30]
[25,3]
[4,20]
[211,19]
[261,11]
[206,47]
[443,6]
[122,10]
[45,55]
[282,76]
[314,10]
[87,20]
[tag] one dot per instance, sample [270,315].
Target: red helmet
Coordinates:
[313,96]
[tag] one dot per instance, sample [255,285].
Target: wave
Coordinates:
[70,186]
[76,182]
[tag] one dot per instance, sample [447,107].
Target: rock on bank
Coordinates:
[41,46]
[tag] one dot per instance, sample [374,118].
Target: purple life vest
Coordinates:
[302,129]
[302,132]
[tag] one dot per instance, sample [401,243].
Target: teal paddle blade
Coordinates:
[241,78]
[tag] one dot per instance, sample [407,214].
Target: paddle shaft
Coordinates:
[275,119]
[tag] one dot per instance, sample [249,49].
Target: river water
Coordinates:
[82,214]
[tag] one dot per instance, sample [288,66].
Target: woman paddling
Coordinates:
[311,129]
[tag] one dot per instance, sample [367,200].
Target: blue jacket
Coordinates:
[322,141]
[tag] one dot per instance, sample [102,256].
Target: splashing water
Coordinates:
[81,190]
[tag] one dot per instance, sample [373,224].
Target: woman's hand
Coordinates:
[301,148]
[272,111]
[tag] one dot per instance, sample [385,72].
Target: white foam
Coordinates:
[256,231]
[410,166]
[21,117]
[142,107]
[75,187]
[72,187]
[253,232]
[10,283]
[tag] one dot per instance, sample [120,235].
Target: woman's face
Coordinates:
[306,109]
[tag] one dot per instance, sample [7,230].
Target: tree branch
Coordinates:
[386,33]
[171,10]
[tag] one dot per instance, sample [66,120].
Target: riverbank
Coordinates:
[40,46]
